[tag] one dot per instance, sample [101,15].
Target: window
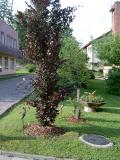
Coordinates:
[12,63]
[15,44]
[6,62]
[11,42]
[0,64]
[8,41]
[2,38]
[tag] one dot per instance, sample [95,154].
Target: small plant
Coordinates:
[31,68]
[23,115]
[92,98]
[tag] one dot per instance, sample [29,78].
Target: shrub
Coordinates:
[91,74]
[113,82]
[30,67]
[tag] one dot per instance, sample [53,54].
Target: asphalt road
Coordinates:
[14,90]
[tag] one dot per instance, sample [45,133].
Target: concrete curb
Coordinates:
[29,156]
[12,106]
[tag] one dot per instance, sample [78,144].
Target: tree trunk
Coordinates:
[77,107]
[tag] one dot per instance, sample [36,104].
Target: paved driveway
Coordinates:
[14,90]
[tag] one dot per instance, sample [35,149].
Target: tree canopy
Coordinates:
[21,32]
[6,11]
[108,49]
[74,70]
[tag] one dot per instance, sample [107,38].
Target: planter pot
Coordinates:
[90,107]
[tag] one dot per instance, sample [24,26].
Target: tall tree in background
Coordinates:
[108,49]
[45,23]
[74,70]
[21,32]
[6,11]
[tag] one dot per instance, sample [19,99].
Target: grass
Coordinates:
[106,123]
[22,71]
[11,76]
[98,74]
[19,72]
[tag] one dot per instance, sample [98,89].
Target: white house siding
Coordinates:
[9,49]
[10,36]
[106,70]
[11,69]
[93,59]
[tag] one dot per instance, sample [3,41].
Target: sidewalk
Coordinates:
[19,156]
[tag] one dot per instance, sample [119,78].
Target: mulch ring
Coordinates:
[74,120]
[37,130]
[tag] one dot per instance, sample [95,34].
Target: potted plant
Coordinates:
[91,102]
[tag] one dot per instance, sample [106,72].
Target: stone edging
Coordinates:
[29,156]
[95,145]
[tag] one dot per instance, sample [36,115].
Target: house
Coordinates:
[9,49]
[94,61]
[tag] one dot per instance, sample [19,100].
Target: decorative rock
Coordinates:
[97,141]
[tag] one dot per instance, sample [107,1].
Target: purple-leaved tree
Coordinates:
[46,21]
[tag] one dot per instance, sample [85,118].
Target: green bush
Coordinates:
[30,67]
[91,74]
[113,82]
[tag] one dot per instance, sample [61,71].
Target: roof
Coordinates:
[10,26]
[103,35]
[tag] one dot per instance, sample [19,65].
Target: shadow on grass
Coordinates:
[115,110]
[102,120]
[19,138]
[92,129]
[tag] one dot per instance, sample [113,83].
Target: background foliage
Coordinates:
[108,49]
[6,11]
[113,82]
[74,70]
[30,67]
[21,32]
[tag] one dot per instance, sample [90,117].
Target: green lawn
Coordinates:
[106,122]
[11,76]
[22,71]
